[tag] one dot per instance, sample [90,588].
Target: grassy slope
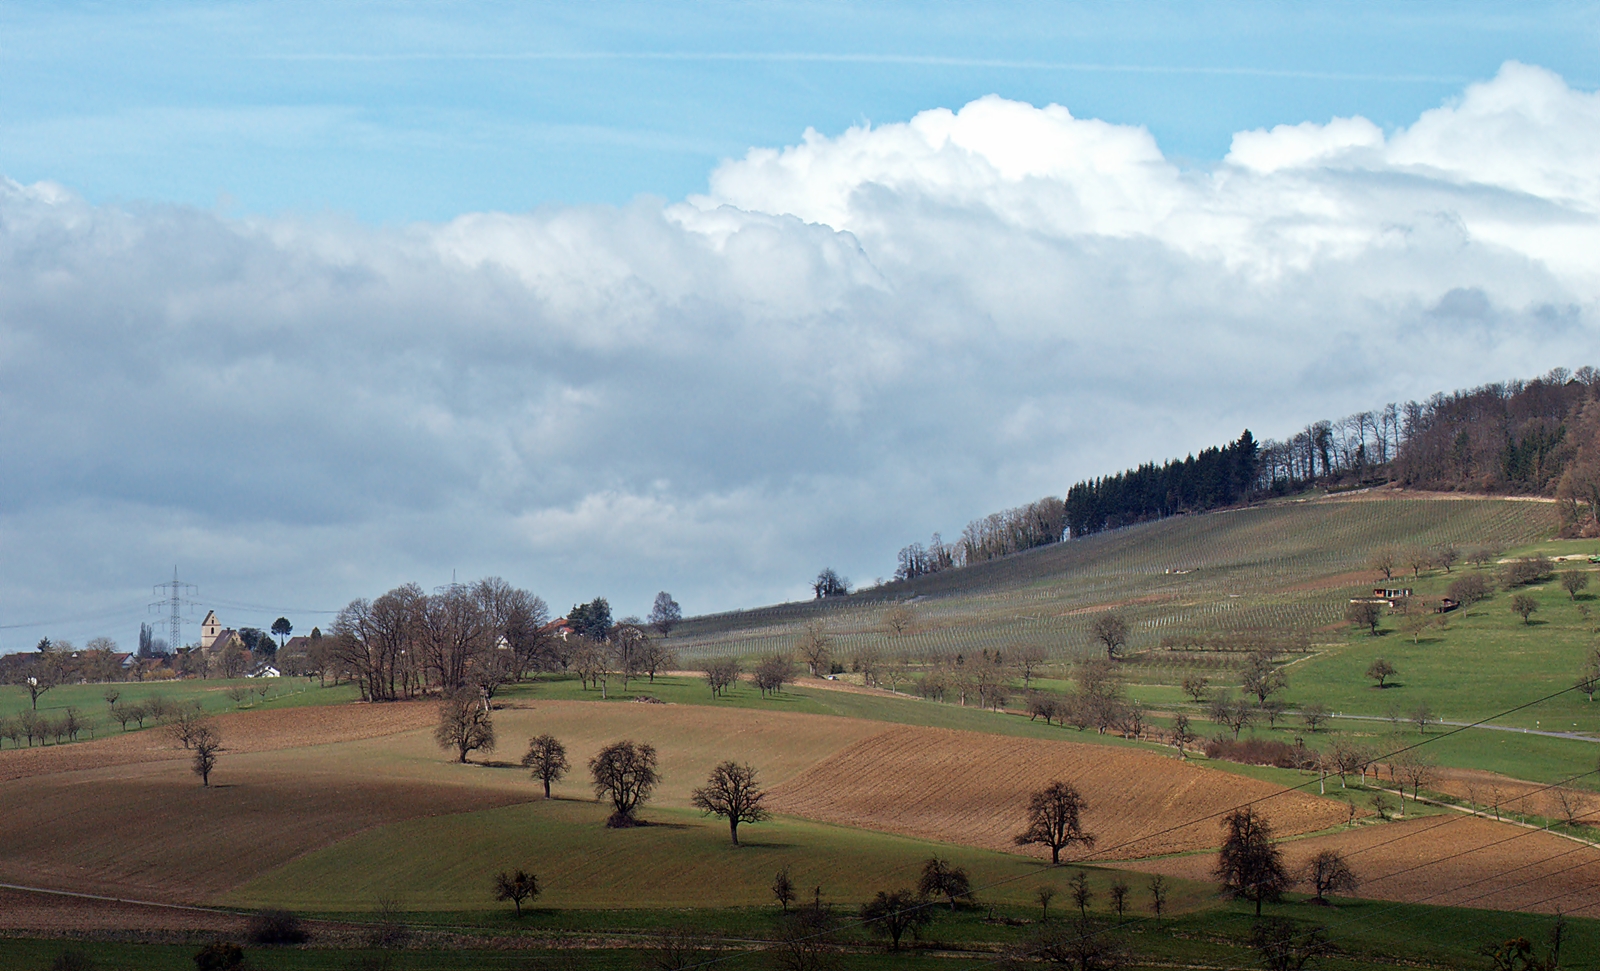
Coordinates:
[1281,566]
[684,860]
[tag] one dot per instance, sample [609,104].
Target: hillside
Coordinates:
[1285,567]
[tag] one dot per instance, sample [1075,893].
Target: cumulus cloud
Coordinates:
[841,346]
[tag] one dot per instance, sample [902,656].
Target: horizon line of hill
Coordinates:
[1517,437]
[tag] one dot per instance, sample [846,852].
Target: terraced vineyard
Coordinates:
[1287,568]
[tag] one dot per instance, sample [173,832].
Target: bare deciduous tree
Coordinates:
[516,887]
[815,648]
[890,914]
[1249,866]
[205,742]
[547,759]
[942,879]
[1364,613]
[772,673]
[625,773]
[1326,873]
[464,724]
[732,793]
[721,675]
[1111,630]
[1055,819]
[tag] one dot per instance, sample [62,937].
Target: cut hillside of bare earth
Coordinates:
[973,789]
[1455,861]
[244,731]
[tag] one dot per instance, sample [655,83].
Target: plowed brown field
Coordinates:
[125,816]
[49,914]
[245,731]
[964,787]
[1460,861]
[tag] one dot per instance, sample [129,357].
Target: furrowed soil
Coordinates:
[125,816]
[1456,860]
[53,914]
[969,788]
[245,731]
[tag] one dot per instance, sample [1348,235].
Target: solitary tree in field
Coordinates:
[1573,581]
[516,887]
[783,889]
[1364,613]
[1249,866]
[1524,605]
[1044,895]
[941,879]
[1158,893]
[547,758]
[1111,630]
[731,793]
[1380,671]
[1055,819]
[1327,873]
[1119,896]
[1195,685]
[893,913]
[1313,715]
[625,773]
[205,743]
[464,725]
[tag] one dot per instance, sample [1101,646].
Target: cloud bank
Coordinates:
[841,346]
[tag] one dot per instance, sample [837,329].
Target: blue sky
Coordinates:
[394,112]
[313,300]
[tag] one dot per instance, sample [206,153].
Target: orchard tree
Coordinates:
[625,773]
[516,887]
[1380,671]
[1524,606]
[1249,866]
[464,725]
[890,914]
[1111,630]
[1364,613]
[547,758]
[941,879]
[1573,581]
[733,794]
[1328,873]
[1055,819]
[815,648]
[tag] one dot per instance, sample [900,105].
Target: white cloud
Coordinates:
[841,347]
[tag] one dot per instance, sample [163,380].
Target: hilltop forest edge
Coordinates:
[1537,438]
